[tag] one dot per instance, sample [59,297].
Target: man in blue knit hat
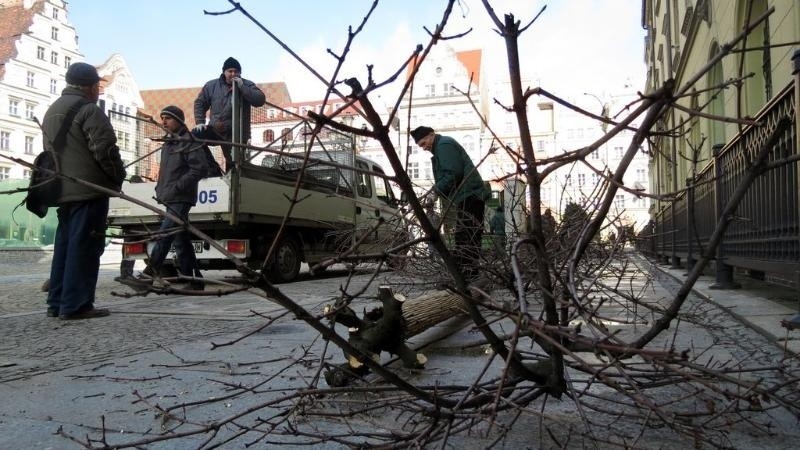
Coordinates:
[83,140]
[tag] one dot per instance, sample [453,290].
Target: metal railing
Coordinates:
[764,234]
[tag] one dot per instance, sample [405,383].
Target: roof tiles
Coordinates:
[14,21]
[156,99]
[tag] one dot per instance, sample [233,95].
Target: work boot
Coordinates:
[88,314]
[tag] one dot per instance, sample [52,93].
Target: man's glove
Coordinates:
[237,81]
[199,129]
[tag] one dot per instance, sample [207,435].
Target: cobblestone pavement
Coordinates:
[32,344]
[56,374]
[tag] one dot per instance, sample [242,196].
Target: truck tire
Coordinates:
[286,262]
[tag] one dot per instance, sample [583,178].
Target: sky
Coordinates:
[575,46]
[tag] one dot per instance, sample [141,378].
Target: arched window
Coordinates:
[286,134]
[269,136]
[758,88]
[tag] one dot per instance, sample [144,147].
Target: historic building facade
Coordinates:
[37,44]
[682,37]
[437,100]
[121,100]
[724,161]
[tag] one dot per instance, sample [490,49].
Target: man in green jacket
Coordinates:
[85,145]
[458,182]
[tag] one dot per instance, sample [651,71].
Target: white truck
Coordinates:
[242,211]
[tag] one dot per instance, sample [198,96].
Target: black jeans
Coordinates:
[184,250]
[468,236]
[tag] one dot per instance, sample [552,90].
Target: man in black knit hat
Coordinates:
[216,96]
[183,164]
[458,183]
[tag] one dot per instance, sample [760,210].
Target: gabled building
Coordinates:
[435,101]
[120,99]
[37,44]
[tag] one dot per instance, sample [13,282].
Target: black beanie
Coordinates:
[420,132]
[231,63]
[174,111]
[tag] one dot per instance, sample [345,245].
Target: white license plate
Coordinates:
[198,247]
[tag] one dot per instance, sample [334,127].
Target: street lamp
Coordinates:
[603,110]
[364,138]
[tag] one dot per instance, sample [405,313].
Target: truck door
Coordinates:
[392,230]
[367,212]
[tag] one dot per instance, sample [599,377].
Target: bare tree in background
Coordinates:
[580,353]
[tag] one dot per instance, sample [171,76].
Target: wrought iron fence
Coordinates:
[764,234]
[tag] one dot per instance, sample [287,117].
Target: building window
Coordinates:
[581,179]
[468,142]
[595,179]
[618,152]
[54,33]
[413,170]
[29,79]
[26,174]
[54,57]
[595,154]
[5,140]
[13,108]
[286,134]
[619,201]
[40,53]
[427,170]
[28,145]
[53,85]
[430,90]
[123,140]
[67,61]
[568,180]
[5,173]
[29,111]
[641,175]
[269,135]
[55,13]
